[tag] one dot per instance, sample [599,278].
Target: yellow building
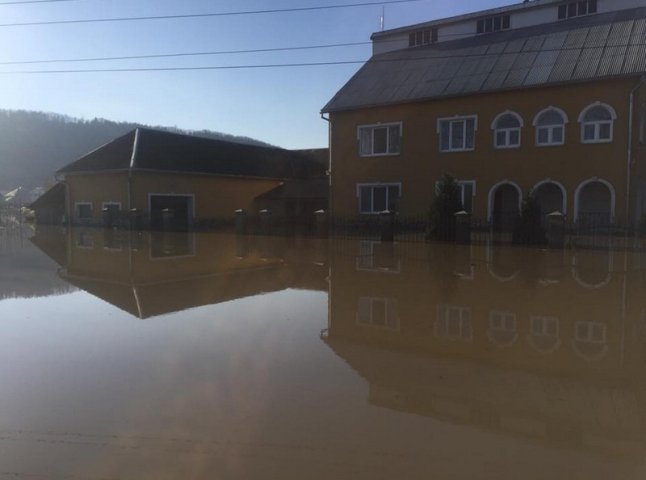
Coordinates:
[181,181]
[543,97]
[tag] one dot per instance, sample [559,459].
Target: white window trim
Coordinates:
[473,189]
[84,247]
[381,125]
[550,142]
[465,325]
[507,131]
[361,267]
[110,203]
[454,119]
[391,307]
[597,125]
[76,210]
[376,184]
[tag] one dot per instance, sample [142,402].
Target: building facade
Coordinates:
[169,180]
[540,102]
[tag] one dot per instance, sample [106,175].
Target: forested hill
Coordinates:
[33,145]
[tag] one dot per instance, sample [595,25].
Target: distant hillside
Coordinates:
[33,145]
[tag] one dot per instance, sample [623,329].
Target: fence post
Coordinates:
[555,230]
[463,227]
[135,220]
[108,221]
[241,221]
[265,222]
[387,225]
[321,223]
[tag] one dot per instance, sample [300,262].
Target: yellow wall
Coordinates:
[215,197]
[421,164]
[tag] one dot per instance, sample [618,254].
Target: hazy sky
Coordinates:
[280,106]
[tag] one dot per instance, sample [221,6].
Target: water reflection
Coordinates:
[544,345]
[155,273]
[433,361]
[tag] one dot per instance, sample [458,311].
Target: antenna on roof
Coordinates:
[382,20]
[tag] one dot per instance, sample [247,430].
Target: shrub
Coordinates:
[446,203]
[529,229]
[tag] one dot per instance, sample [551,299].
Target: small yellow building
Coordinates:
[544,97]
[183,181]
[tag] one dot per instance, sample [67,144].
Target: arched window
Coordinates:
[597,122]
[506,130]
[550,127]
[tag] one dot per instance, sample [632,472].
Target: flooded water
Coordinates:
[168,356]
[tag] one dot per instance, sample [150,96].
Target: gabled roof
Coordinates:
[55,196]
[581,49]
[154,150]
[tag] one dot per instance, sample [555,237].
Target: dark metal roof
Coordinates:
[154,150]
[581,49]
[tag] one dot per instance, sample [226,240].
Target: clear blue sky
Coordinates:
[280,106]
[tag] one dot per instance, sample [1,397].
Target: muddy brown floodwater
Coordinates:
[211,356]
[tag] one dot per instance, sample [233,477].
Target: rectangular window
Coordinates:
[113,208]
[545,326]
[377,140]
[493,24]
[591,332]
[467,192]
[85,240]
[577,9]
[453,323]
[379,197]
[457,134]
[376,256]
[571,10]
[562,12]
[422,37]
[84,210]
[380,313]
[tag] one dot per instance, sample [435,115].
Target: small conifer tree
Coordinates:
[446,203]
[529,229]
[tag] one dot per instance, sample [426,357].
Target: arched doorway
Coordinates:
[550,196]
[504,205]
[595,203]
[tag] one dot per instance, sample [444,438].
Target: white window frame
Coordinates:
[451,120]
[597,124]
[372,128]
[82,246]
[461,184]
[464,323]
[385,184]
[543,321]
[365,261]
[77,210]
[507,131]
[590,326]
[550,128]
[391,306]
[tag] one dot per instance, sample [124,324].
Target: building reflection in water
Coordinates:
[546,345]
[155,273]
[543,347]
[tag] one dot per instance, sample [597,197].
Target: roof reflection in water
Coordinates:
[543,345]
[157,273]
[517,362]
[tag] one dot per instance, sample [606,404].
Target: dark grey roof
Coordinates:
[154,150]
[577,50]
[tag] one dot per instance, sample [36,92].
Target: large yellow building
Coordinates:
[544,97]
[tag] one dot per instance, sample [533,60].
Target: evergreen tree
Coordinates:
[446,203]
